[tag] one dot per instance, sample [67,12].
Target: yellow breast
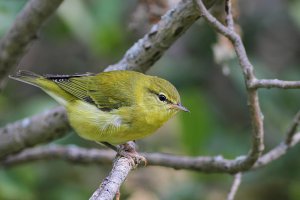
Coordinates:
[116,127]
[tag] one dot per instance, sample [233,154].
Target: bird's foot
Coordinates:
[127,150]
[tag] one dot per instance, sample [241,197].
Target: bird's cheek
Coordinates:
[172,110]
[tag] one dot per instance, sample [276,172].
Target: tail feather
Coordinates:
[49,86]
[26,76]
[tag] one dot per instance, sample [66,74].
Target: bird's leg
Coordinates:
[110,146]
[128,150]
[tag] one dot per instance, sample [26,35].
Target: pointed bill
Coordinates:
[181,107]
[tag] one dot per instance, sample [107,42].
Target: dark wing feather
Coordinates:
[73,84]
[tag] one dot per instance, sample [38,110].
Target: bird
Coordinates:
[112,107]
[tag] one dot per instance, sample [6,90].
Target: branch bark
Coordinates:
[69,153]
[145,52]
[111,184]
[274,83]
[14,44]
[33,130]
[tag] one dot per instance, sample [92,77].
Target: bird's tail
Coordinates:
[27,77]
[49,86]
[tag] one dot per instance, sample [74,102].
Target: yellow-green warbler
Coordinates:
[110,107]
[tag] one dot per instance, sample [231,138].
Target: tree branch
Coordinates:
[229,17]
[292,129]
[111,184]
[292,138]
[33,130]
[145,52]
[247,68]
[80,155]
[69,153]
[14,44]
[274,83]
[277,152]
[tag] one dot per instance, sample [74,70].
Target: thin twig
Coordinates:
[293,128]
[253,102]
[233,37]
[274,83]
[235,186]
[292,138]
[276,152]
[229,17]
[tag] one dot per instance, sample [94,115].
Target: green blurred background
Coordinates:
[87,35]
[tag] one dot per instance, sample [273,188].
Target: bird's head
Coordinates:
[163,96]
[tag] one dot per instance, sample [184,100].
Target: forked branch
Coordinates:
[253,102]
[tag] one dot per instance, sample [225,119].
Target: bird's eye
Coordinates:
[162,97]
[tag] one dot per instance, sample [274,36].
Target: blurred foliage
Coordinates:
[201,122]
[89,35]
[8,11]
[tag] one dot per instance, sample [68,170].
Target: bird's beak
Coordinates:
[180,107]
